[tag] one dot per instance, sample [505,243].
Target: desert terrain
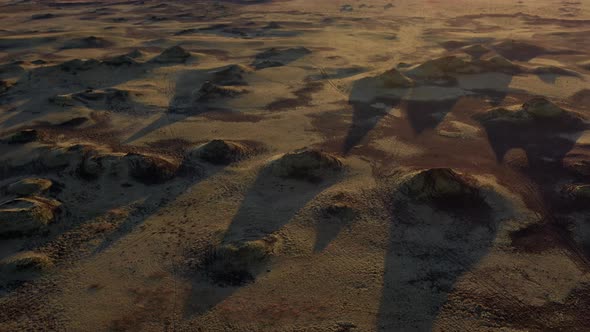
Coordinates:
[360,165]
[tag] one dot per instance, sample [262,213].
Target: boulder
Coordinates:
[23,216]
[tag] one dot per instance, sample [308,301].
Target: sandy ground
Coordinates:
[119,210]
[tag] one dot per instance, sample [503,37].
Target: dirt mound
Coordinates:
[174,54]
[578,164]
[231,75]
[120,60]
[306,164]
[518,50]
[584,64]
[4,86]
[237,264]
[76,65]
[393,78]
[98,163]
[109,98]
[11,70]
[63,156]
[87,42]
[21,137]
[541,107]
[150,169]
[536,108]
[23,216]
[581,97]
[554,70]
[276,57]
[580,192]
[25,263]
[211,91]
[439,184]
[457,65]
[222,152]
[29,186]
[476,50]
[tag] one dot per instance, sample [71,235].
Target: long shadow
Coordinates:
[422,114]
[37,86]
[430,248]
[154,199]
[182,103]
[269,204]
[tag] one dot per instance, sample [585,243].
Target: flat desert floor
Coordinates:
[303,165]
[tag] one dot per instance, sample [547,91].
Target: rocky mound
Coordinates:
[306,164]
[150,169]
[554,70]
[536,108]
[237,264]
[29,186]
[64,156]
[4,86]
[87,42]
[393,78]
[25,263]
[174,54]
[476,50]
[21,137]
[581,97]
[222,152]
[120,60]
[76,65]
[456,65]
[580,192]
[276,57]
[584,64]
[11,70]
[540,107]
[231,75]
[518,50]
[211,91]
[439,184]
[23,216]
[98,163]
